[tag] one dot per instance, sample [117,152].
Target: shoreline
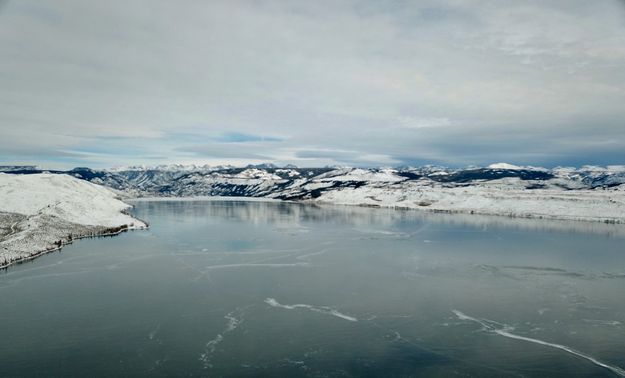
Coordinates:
[466,213]
[423,209]
[109,232]
[580,206]
[205,198]
[584,207]
[511,215]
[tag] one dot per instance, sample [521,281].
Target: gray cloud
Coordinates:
[354,82]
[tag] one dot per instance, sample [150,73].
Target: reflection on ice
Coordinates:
[289,217]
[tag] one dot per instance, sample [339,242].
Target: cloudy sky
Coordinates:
[360,83]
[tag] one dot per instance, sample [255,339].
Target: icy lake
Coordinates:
[237,288]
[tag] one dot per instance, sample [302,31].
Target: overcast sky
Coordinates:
[360,83]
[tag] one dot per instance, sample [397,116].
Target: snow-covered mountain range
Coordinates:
[309,183]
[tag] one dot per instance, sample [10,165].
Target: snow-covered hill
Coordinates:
[501,198]
[41,212]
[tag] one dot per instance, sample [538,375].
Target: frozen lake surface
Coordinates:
[235,288]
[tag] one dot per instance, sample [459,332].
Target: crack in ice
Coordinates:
[211,345]
[321,309]
[487,325]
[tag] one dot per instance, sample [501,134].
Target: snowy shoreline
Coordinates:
[386,214]
[40,253]
[42,213]
[202,198]
[598,206]
[579,205]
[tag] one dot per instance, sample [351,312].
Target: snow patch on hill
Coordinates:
[504,166]
[358,174]
[259,174]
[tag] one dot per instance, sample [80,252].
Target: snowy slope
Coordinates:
[359,174]
[63,196]
[42,212]
[489,199]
